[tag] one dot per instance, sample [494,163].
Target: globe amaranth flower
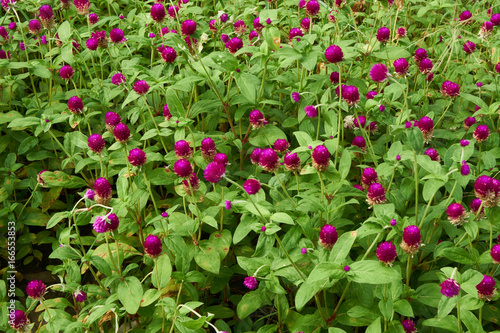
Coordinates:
[495,19]
[188,27]
[208,149]
[269,160]
[256,119]
[191,184]
[426,126]
[251,282]
[101,38]
[34,26]
[305,24]
[401,32]
[227,204]
[401,66]
[420,54]
[449,288]
[486,288]
[234,44]
[169,54]
[450,89]
[18,320]
[379,73]
[214,172]
[456,214]
[469,47]
[82,6]
[328,236]
[475,205]
[383,35]
[166,113]
[93,18]
[75,105]
[292,162]
[173,11]
[137,157]
[486,29]
[368,177]
[92,43]
[359,142]
[311,111]
[80,296]
[464,16]
[386,253]
[111,119]
[335,77]
[495,254]
[375,194]
[350,94]
[255,155]
[433,154]
[334,54]
[36,289]
[121,132]
[212,27]
[296,97]
[371,94]
[321,158]
[488,190]
[158,12]
[253,34]
[251,186]
[153,246]
[240,27]
[409,326]
[96,143]
[425,66]
[141,87]
[117,36]
[223,17]
[66,72]
[182,149]
[468,122]
[224,38]
[295,32]
[4,33]
[222,159]
[281,146]
[481,133]
[256,24]
[46,15]
[312,8]
[411,239]
[183,168]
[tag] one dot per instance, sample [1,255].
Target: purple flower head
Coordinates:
[311,111]
[295,32]
[450,89]
[82,6]
[141,87]
[234,44]
[456,213]
[296,97]
[46,15]
[433,154]
[75,105]
[188,27]
[358,187]
[17,318]
[359,142]
[118,79]
[328,236]
[121,17]
[425,66]
[34,26]
[166,113]
[383,35]
[464,143]
[256,119]
[409,326]
[401,32]
[269,160]
[449,288]
[281,146]
[191,184]
[468,122]
[182,149]
[481,133]
[381,108]
[137,157]
[334,54]
[101,37]
[263,228]
[102,191]
[488,190]
[302,3]
[12,25]
[224,17]
[303,250]
[121,132]
[66,72]
[495,254]
[80,296]
[312,8]
[426,126]
[208,149]
[222,159]
[398,158]
[253,34]
[111,119]
[251,282]
[465,15]
[173,12]
[183,168]
[486,29]
[164,214]
[305,24]
[96,143]
[393,222]
[411,239]
[35,289]
[347,268]
[169,54]
[153,246]
[379,73]
[255,155]
[401,66]
[214,172]
[292,162]
[465,169]
[371,94]
[350,95]
[251,186]
[227,204]
[240,27]
[335,77]
[158,12]
[224,38]
[359,122]
[475,205]
[92,43]
[420,54]
[368,177]
[486,288]
[469,47]
[375,194]
[212,27]
[93,18]
[321,158]
[386,253]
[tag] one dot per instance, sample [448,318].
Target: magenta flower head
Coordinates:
[227,204]
[311,111]
[153,246]
[328,236]
[386,253]
[137,157]
[305,24]
[89,194]
[82,6]
[66,72]
[35,289]
[111,119]
[295,32]
[102,191]
[475,205]
[433,154]
[251,282]
[256,24]
[368,177]
[335,77]
[350,95]
[141,87]
[409,326]
[75,105]
[117,36]
[240,27]
[468,122]
[92,43]
[464,169]
[158,12]
[312,8]
[183,168]
[93,18]
[112,222]
[117,79]
[101,38]
[234,44]
[292,162]
[426,126]
[469,47]
[401,32]
[46,15]
[281,146]
[188,27]
[383,35]
[208,149]
[420,54]
[449,288]
[169,54]
[450,89]
[80,296]
[121,133]
[253,34]
[182,149]
[495,254]
[34,26]
[456,213]
[214,172]
[371,94]
[251,186]
[166,112]
[481,133]
[269,160]
[486,29]
[191,183]
[222,159]
[18,320]
[321,158]
[173,11]
[255,155]
[375,194]
[224,17]
[96,143]
[425,66]
[296,97]
[379,73]
[464,143]
[401,66]
[256,119]
[359,142]
[486,288]
[495,19]
[302,3]
[411,239]
[334,54]
[465,15]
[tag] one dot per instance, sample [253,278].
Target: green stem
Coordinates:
[284,189]
[156,125]
[415,175]
[111,255]
[408,274]
[150,192]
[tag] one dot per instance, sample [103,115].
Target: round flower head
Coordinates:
[117,36]
[208,149]
[169,54]
[158,12]
[450,89]
[224,17]
[411,239]
[296,97]
[464,169]
[426,126]
[182,149]
[371,94]
[112,222]
[401,32]
[102,191]
[66,72]
[82,6]
[311,111]
[328,236]
[256,119]
[456,213]
[173,11]
[475,205]
[312,8]
[224,38]
[368,177]
[141,87]
[18,320]
[334,54]
[214,172]
[93,18]
[401,66]
[375,194]
[234,44]
[227,204]
[153,246]
[379,73]
[166,113]
[255,155]
[46,15]
[137,157]
[80,296]
[469,47]
[420,54]
[118,79]
[481,133]
[486,29]
[222,159]
[359,122]
[92,43]
[34,26]
[386,252]
[486,288]
[256,24]
[449,288]
[12,25]
[302,3]
[292,162]
[335,77]
[240,27]
[433,154]
[188,27]
[251,186]
[465,15]
[281,146]
[495,19]
[111,119]
[425,66]
[295,32]
[183,168]
[35,289]
[468,122]
[121,133]
[75,105]
[409,326]
[305,24]
[212,26]
[495,254]
[191,183]
[350,94]
[383,35]
[253,34]
[321,158]
[359,142]
[101,38]
[251,282]
[484,189]
[269,160]
[96,143]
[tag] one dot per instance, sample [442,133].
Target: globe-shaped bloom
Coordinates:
[121,133]
[234,44]
[214,172]
[208,149]
[169,54]
[183,168]
[450,89]
[158,12]
[456,213]
[350,94]
[379,73]
[251,186]
[469,47]
[35,289]
[375,194]
[251,283]
[321,158]
[18,319]
[137,157]
[96,143]
[486,288]
[292,162]
[153,246]
[66,72]
[312,8]
[401,66]
[269,160]
[411,239]
[75,105]
[383,35]
[449,288]
[334,54]
[141,87]
[481,133]
[182,149]
[433,154]
[386,252]
[188,27]
[328,236]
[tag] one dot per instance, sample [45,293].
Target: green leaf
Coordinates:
[132,96]
[458,254]
[67,53]
[65,252]
[471,321]
[393,52]
[250,302]
[150,296]
[430,188]
[372,272]
[303,138]
[345,164]
[267,136]
[101,265]
[386,308]
[342,247]
[24,122]
[64,31]
[41,71]
[59,178]
[446,304]
[375,327]
[404,308]
[306,291]
[449,323]
[174,104]
[161,272]
[282,218]
[248,83]
[130,293]
[475,100]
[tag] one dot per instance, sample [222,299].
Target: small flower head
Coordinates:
[495,254]
[173,12]
[359,142]
[296,97]
[450,89]
[66,72]
[292,162]
[401,66]
[251,282]
[222,159]
[224,17]
[409,326]
[468,122]
[169,54]
[426,126]
[335,77]
[18,320]
[456,213]
[425,66]
[46,15]
[182,149]
[188,27]
[347,268]
[295,32]
[393,222]
[305,24]
[375,194]
[475,205]
[96,143]
[102,191]
[158,12]
[386,253]
[191,184]
[495,19]
[111,119]
[34,26]
[93,18]
[234,44]
[141,87]
[379,73]
[449,288]
[208,149]
[411,239]
[486,288]
[311,111]
[75,105]
[371,94]
[433,154]
[401,32]
[469,47]
[350,94]
[383,35]
[82,6]
[240,27]
[255,155]
[312,8]
[121,133]
[251,186]
[420,54]
[464,16]
[183,168]
[214,172]
[328,236]
[281,146]
[481,133]
[227,204]
[153,246]
[117,79]
[334,54]
[257,119]
[137,157]
[368,177]
[253,34]
[321,158]
[35,289]
[80,296]
[486,29]
[269,160]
